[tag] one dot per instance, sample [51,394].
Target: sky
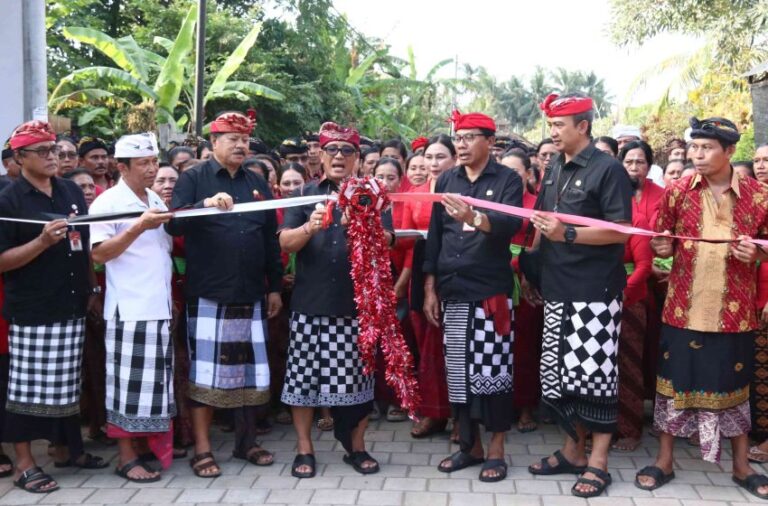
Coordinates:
[512,37]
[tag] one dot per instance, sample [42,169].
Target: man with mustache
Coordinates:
[234,275]
[95,158]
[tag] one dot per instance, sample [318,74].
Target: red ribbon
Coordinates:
[521,212]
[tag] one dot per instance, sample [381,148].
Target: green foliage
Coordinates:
[745,149]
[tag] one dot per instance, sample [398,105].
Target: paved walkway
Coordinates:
[408,477]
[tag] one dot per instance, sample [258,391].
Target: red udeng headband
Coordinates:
[232,123]
[472,120]
[554,106]
[30,133]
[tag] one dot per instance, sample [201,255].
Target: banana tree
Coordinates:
[146,76]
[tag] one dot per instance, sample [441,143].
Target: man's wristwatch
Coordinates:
[96,290]
[478,219]
[570,234]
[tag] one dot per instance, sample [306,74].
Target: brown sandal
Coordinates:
[255,456]
[198,465]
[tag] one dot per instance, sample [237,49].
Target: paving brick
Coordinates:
[240,495]
[610,501]
[20,497]
[232,482]
[150,495]
[537,487]
[198,495]
[392,447]
[404,484]
[319,482]
[731,493]
[517,500]
[380,498]
[338,496]
[410,459]
[676,491]
[424,498]
[102,481]
[289,496]
[67,496]
[506,486]
[452,485]
[110,495]
[657,502]
[470,499]
[362,482]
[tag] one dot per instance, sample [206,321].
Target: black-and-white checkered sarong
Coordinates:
[579,347]
[44,377]
[324,366]
[477,359]
[139,375]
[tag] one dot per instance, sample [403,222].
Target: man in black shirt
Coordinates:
[467,262]
[233,261]
[582,278]
[324,366]
[47,291]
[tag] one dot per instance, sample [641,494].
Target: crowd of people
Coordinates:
[150,327]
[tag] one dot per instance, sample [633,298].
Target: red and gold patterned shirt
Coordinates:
[709,289]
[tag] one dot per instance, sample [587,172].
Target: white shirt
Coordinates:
[656,174]
[139,280]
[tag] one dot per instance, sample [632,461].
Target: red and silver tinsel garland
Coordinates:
[363,200]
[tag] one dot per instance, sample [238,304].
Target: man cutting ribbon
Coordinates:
[709,317]
[582,278]
[234,276]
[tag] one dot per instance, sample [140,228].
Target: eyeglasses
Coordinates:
[63,155]
[346,151]
[44,152]
[458,139]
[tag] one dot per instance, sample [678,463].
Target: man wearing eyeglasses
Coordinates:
[468,272]
[48,290]
[67,155]
[95,158]
[234,276]
[324,367]
[294,150]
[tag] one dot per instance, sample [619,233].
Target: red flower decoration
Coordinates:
[363,199]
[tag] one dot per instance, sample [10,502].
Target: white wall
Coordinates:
[11,67]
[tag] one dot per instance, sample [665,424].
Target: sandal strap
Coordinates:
[304,459]
[599,485]
[606,477]
[654,472]
[32,474]
[755,481]
[126,468]
[199,457]
[561,460]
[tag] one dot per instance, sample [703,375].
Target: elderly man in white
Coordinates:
[136,254]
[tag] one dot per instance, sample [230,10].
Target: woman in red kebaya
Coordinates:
[529,314]
[439,156]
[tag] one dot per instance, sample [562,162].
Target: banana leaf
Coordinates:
[99,74]
[112,48]
[233,61]
[169,82]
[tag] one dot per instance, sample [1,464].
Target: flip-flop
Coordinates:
[459,460]
[255,456]
[303,459]
[198,467]
[660,479]
[563,466]
[599,485]
[32,475]
[755,455]
[751,483]
[498,465]
[125,469]
[89,462]
[523,428]
[357,459]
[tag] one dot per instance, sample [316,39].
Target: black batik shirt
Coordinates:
[471,265]
[595,185]
[54,286]
[323,284]
[232,257]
